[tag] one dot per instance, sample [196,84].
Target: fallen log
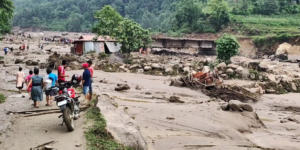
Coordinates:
[43,113]
[42,110]
[42,145]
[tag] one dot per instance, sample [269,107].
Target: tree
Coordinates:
[6,13]
[108,20]
[270,7]
[127,32]
[227,46]
[218,13]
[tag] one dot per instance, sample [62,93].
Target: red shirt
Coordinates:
[91,69]
[61,71]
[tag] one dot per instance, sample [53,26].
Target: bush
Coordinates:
[227,46]
[2,98]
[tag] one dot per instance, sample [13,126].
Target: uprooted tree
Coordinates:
[127,32]
[227,46]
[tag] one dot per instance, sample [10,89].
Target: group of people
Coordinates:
[36,84]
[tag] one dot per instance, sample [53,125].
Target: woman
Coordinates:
[37,88]
[20,79]
[29,86]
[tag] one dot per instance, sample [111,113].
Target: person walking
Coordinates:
[37,88]
[86,81]
[91,69]
[20,79]
[61,72]
[27,83]
[49,82]
[5,50]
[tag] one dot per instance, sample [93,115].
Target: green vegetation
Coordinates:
[227,46]
[2,98]
[6,13]
[127,32]
[97,137]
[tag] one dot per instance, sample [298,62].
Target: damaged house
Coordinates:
[90,43]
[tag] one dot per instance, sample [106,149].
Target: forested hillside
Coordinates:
[167,16]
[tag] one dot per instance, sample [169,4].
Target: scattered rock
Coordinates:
[140,71]
[176,82]
[78,145]
[103,81]
[148,93]
[32,63]
[186,69]
[233,66]
[284,121]
[225,107]
[229,71]
[263,67]
[169,70]
[293,86]
[133,66]
[283,48]
[236,105]
[221,66]
[138,87]
[147,68]
[239,70]
[270,91]
[175,99]
[170,118]
[18,61]
[155,66]
[122,87]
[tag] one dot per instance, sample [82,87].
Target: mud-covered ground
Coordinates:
[199,123]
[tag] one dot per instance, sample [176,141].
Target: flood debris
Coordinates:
[122,87]
[212,86]
[45,146]
[235,105]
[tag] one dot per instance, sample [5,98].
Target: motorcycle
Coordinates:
[68,103]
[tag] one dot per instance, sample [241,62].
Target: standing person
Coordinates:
[28,46]
[27,83]
[37,88]
[5,50]
[23,47]
[49,82]
[91,69]
[20,79]
[61,72]
[86,80]
[42,47]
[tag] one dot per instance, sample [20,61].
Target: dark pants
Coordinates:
[90,87]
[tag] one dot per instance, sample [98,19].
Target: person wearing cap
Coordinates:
[91,69]
[86,80]
[61,72]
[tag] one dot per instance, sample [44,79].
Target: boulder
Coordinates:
[239,70]
[283,48]
[263,66]
[169,70]
[253,64]
[18,61]
[135,66]
[187,65]
[176,83]
[225,107]
[175,99]
[186,69]
[293,86]
[221,66]
[120,125]
[1,61]
[147,68]
[155,66]
[32,63]
[282,56]
[122,87]
[229,71]
[68,69]
[232,66]
[236,105]
[206,69]
[270,91]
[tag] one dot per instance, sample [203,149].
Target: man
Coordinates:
[86,80]
[61,72]
[49,82]
[5,50]
[91,69]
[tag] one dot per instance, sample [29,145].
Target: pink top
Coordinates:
[91,69]
[28,78]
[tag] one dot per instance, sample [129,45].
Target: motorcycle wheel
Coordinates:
[68,119]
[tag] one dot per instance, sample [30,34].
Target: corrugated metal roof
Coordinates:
[85,38]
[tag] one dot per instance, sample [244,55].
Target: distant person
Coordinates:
[37,88]
[23,47]
[11,49]
[86,80]
[91,69]
[42,47]
[49,82]
[61,72]
[5,50]
[27,83]
[20,79]
[27,47]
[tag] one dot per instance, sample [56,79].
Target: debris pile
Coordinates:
[122,87]
[235,105]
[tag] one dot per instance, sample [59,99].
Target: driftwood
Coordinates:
[41,111]
[42,145]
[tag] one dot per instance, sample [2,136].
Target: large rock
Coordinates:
[233,66]
[169,70]
[176,83]
[263,66]
[186,69]
[239,70]
[221,66]
[122,127]
[293,86]
[147,68]
[283,48]
[18,61]
[155,66]
[135,66]
[229,71]
[236,105]
[32,63]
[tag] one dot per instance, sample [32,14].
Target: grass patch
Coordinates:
[1,57]
[2,98]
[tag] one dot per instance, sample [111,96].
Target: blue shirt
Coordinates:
[86,76]
[5,49]
[53,77]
